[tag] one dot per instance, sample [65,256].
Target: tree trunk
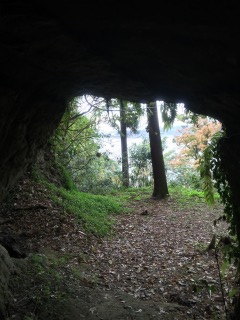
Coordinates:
[160,190]
[124,148]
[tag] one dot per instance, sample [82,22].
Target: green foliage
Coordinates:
[212,168]
[192,165]
[140,164]
[190,117]
[230,251]
[214,175]
[194,139]
[75,141]
[221,183]
[103,175]
[224,267]
[53,171]
[76,148]
[141,168]
[132,112]
[66,180]
[183,175]
[206,174]
[169,114]
[233,293]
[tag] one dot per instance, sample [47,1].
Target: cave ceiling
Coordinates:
[142,53]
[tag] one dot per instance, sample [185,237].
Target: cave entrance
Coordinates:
[166,248]
[143,258]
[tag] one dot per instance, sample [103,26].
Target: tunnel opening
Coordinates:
[161,253]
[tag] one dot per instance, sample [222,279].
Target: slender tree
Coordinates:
[124,148]
[128,117]
[120,115]
[160,190]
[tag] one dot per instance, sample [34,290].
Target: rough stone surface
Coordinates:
[6,269]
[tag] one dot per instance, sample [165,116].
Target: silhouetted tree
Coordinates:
[160,190]
[124,148]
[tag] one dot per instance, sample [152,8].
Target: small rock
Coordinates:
[144,213]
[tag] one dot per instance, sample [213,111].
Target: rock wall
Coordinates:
[7,268]
[25,126]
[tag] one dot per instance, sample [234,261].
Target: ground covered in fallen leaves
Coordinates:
[154,265]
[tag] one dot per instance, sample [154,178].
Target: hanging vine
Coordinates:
[214,177]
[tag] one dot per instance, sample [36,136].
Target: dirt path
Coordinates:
[161,256]
[154,266]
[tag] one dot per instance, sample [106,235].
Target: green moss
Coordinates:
[67,181]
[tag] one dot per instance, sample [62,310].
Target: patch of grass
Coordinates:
[187,197]
[93,210]
[185,192]
[126,194]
